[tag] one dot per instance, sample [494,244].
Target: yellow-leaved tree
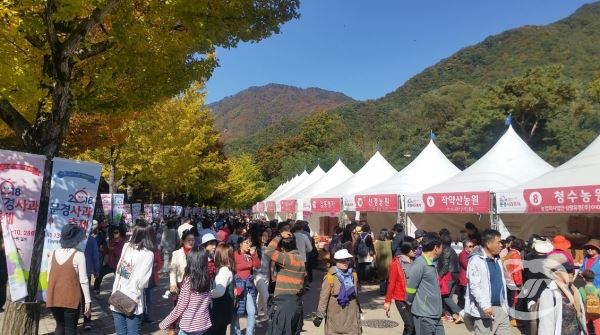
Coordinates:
[245,185]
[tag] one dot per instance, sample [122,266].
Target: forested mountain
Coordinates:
[544,76]
[251,110]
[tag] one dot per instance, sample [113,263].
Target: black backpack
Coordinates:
[362,249]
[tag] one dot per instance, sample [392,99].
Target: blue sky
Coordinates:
[366,49]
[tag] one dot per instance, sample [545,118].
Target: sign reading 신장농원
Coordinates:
[376,203]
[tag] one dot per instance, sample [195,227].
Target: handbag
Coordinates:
[121,301]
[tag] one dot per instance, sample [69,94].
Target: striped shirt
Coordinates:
[290,279]
[191,310]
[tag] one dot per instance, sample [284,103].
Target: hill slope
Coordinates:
[256,108]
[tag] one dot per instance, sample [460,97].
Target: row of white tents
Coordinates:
[510,188]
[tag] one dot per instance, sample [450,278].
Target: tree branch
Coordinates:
[94,49]
[78,35]
[13,118]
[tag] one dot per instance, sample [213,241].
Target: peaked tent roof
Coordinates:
[373,172]
[580,170]
[508,163]
[338,174]
[285,187]
[312,177]
[429,168]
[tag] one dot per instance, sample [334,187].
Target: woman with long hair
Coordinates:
[67,271]
[195,298]
[246,259]
[262,278]
[133,273]
[179,260]
[221,312]
[383,249]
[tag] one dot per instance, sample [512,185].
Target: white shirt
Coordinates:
[222,280]
[62,255]
[133,273]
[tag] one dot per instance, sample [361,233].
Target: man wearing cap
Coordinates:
[419,233]
[485,299]
[285,314]
[338,300]
[561,245]
[591,261]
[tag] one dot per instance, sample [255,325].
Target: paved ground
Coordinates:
[371,304]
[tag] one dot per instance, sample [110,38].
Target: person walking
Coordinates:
[463,261]
[66,274]
[364,251]
[423,288]
[383,250]
[157,265]
[263,276]
[590,296]
[179,261]
[485,300]
[115,247]
[92,265]
[591,261]
[285,313]
[338,300]
[133,273]
[561,310]
[169,242]
[195,298]
[398,239]
[513,267]
[246,259]
[222,294]
[448,270]
[396,290]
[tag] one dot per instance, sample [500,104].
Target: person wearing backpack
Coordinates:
[590,295]
[338,300]
[365,253]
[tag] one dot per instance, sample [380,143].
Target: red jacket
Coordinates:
[115,247]
[158,264]
[463,261]
[514,267]
[396,289]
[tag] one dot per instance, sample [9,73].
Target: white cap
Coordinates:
[207,238]
[342,254]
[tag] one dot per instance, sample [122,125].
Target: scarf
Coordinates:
[347,290]
[186,250]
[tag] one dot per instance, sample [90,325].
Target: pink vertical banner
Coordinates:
[21,178]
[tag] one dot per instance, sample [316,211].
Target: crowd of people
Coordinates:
[223,268]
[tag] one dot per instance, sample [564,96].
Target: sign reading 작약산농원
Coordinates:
[73,192]
[21,178]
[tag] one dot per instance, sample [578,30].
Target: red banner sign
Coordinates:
[288,206]
[326,204]
[261,207]
[376,203]
[271,206]
[457,202]
[575,199]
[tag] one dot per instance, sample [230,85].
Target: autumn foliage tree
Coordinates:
[108,56]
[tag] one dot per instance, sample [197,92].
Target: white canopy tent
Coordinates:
[466,196]
[564,200]
[338,174]
[282,205]
[376,170]
[429,168]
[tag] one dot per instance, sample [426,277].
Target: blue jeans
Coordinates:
[181,332]
[251,311]
[127,325]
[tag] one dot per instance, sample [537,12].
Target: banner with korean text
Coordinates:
[21,178]
[118,212]
[288,206]
[127,215]
[148,212]
[73,192]
[326,204]
[136,212]
[451,202]
[376,203]
[107,201]
[572,199]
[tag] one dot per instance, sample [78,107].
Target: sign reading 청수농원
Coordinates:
[21,178]
[73,192]
[376,203]
[326,204]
